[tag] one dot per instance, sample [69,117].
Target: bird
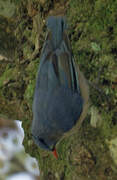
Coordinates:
[61,95]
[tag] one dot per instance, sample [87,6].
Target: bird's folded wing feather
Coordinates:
[63,64]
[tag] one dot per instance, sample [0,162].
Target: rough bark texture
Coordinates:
[88,153]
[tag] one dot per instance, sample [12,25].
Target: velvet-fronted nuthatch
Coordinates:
[61,93]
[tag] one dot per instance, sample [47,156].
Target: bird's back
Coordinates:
[57,103]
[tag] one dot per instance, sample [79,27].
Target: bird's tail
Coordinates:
[56,25]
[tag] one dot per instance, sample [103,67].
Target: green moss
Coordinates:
[6,76]
[7,8]
[7,38]
[27,33]
[31,71]
[29,92]
[93,35]
[27,51]
[106,127]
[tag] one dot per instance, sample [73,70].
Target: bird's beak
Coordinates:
[55,153]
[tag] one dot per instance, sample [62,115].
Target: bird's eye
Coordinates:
[42,141]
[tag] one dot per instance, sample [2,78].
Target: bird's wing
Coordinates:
[59,64]
[66,65]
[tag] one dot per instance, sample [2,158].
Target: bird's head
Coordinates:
[46,145]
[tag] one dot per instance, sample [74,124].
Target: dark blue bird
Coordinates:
[58,99]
